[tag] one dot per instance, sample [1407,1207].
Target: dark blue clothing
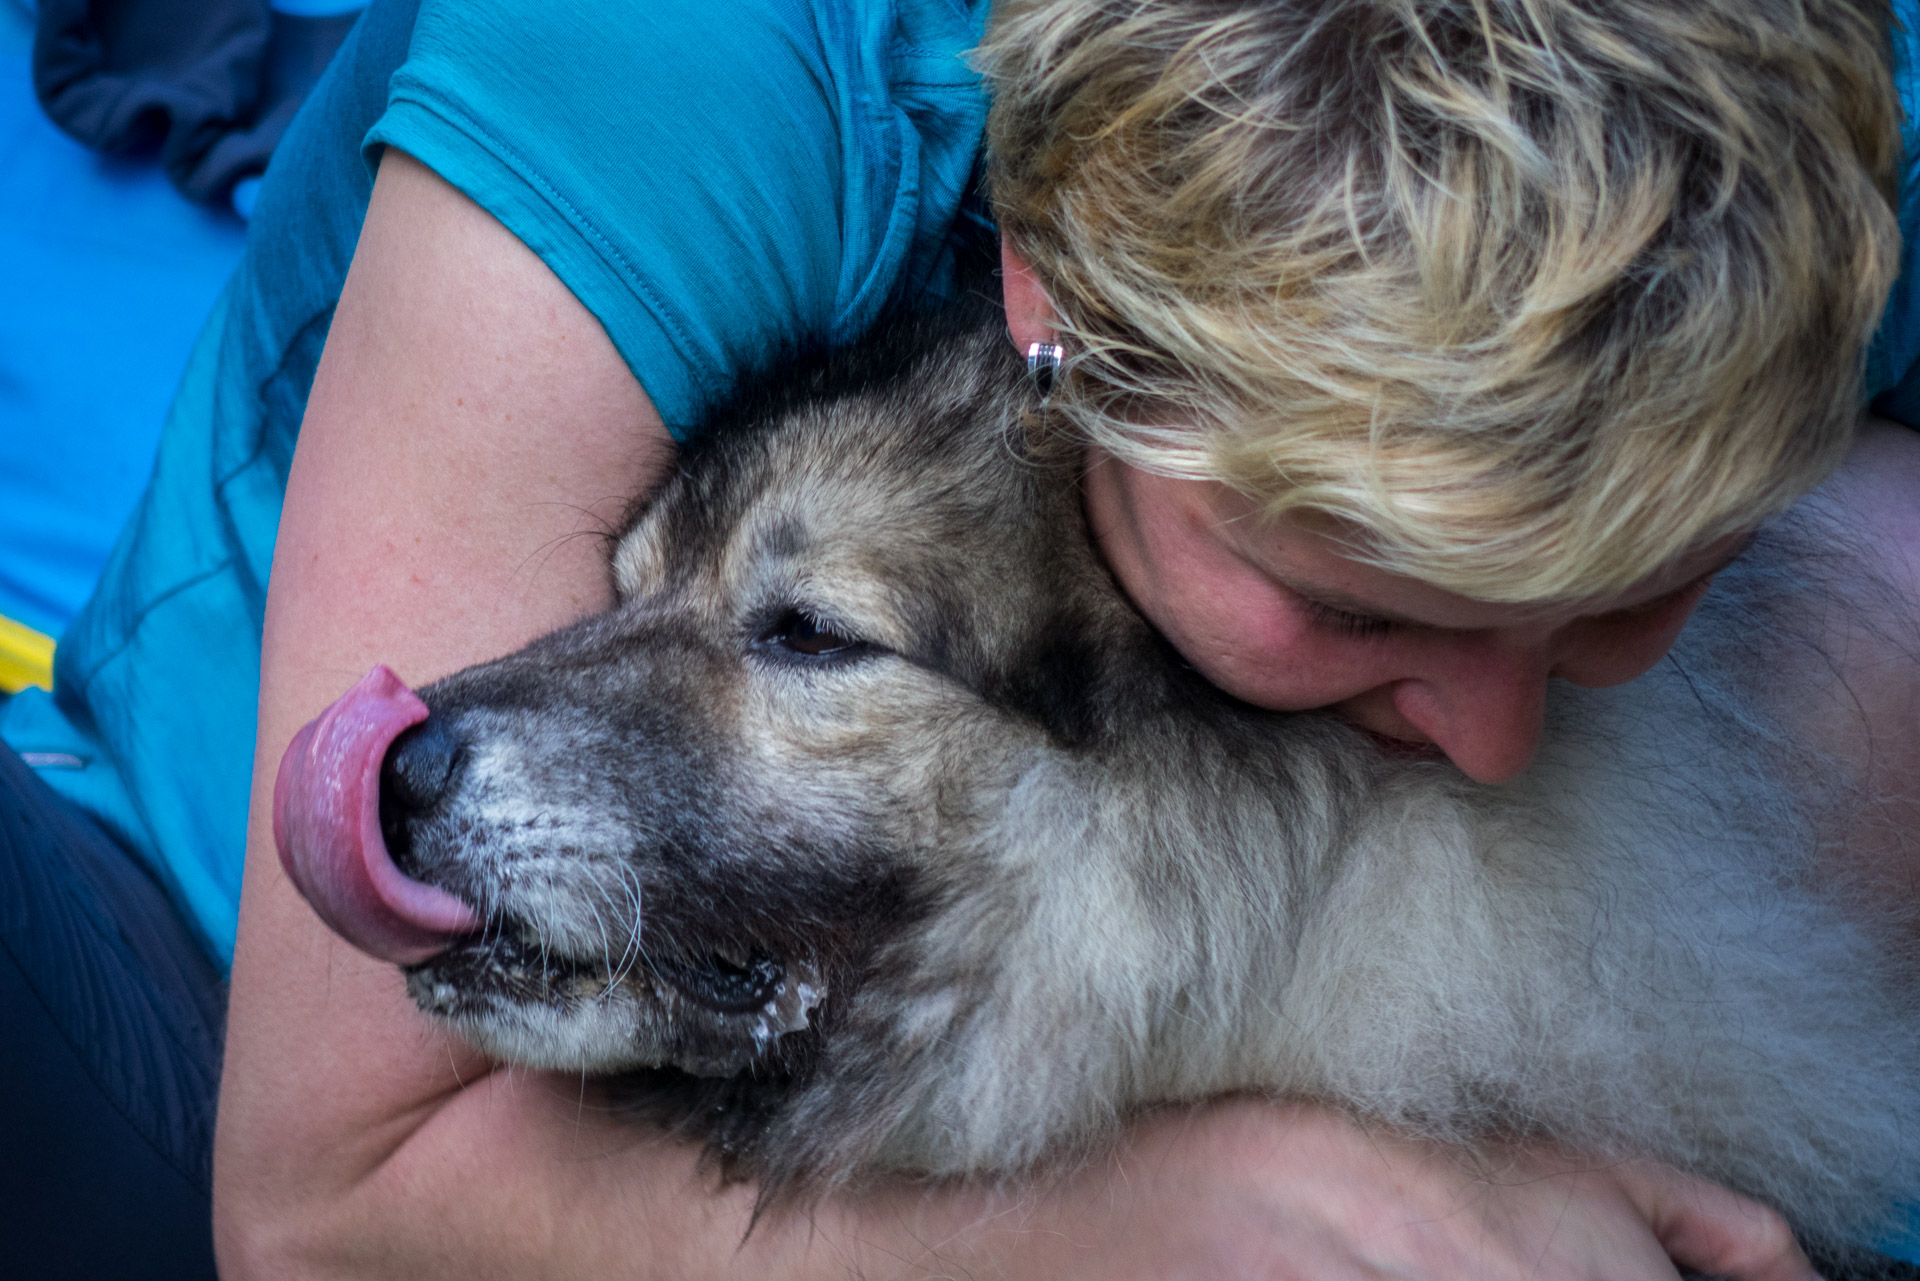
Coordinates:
[111,1015]
[210,84]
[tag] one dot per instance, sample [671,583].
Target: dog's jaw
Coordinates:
[510,999]
[595,955]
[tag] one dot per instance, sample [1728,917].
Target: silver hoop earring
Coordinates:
[1043,365]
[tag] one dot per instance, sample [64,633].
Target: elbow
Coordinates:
[250,1243]
[262,1234]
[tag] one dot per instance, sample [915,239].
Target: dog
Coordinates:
[874,831]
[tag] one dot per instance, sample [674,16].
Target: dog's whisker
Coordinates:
[592,902]
[630,949]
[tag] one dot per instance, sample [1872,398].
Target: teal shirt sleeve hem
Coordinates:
[716,184]
[636,318]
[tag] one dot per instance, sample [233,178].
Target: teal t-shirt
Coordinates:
[713,181]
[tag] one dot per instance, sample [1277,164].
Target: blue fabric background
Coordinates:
[105,277]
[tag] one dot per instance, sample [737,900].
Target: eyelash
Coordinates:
[1363,625]
[1339,620]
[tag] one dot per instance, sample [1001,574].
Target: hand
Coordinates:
[1251,1190]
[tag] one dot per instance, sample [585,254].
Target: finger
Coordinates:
[1709,1229]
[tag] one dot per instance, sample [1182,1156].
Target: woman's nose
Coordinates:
[1485,711]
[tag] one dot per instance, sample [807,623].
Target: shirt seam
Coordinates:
[581,224]
[85,680]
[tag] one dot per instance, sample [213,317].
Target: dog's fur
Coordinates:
[999,870]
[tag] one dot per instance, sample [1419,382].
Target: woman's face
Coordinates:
[1275,612]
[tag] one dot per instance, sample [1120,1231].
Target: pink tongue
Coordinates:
[326,821]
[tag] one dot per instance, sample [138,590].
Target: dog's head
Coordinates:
[850,809]
[695,824]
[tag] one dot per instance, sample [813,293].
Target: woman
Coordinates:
[583,225]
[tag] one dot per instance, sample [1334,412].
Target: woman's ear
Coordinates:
[1030,313]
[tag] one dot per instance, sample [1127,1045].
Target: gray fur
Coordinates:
[1027,874]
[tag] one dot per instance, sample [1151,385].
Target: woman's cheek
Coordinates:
[1278,658]
[1614,649]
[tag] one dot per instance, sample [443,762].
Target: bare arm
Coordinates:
[469,419]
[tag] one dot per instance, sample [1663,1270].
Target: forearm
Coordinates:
[504,1178]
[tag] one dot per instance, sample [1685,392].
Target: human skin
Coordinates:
[1275,612]
[470,432]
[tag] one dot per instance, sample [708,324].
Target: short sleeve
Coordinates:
[715,182]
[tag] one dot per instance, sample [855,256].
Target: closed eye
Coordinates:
[799,633]
[1345,622]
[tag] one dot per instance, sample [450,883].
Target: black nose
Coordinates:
[419,770]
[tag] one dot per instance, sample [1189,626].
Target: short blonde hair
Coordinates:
[1536,295]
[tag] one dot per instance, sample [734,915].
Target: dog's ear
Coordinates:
[1056,682]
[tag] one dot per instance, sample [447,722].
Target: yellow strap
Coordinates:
[26,657]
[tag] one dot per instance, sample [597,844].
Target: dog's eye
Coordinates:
[800,633]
